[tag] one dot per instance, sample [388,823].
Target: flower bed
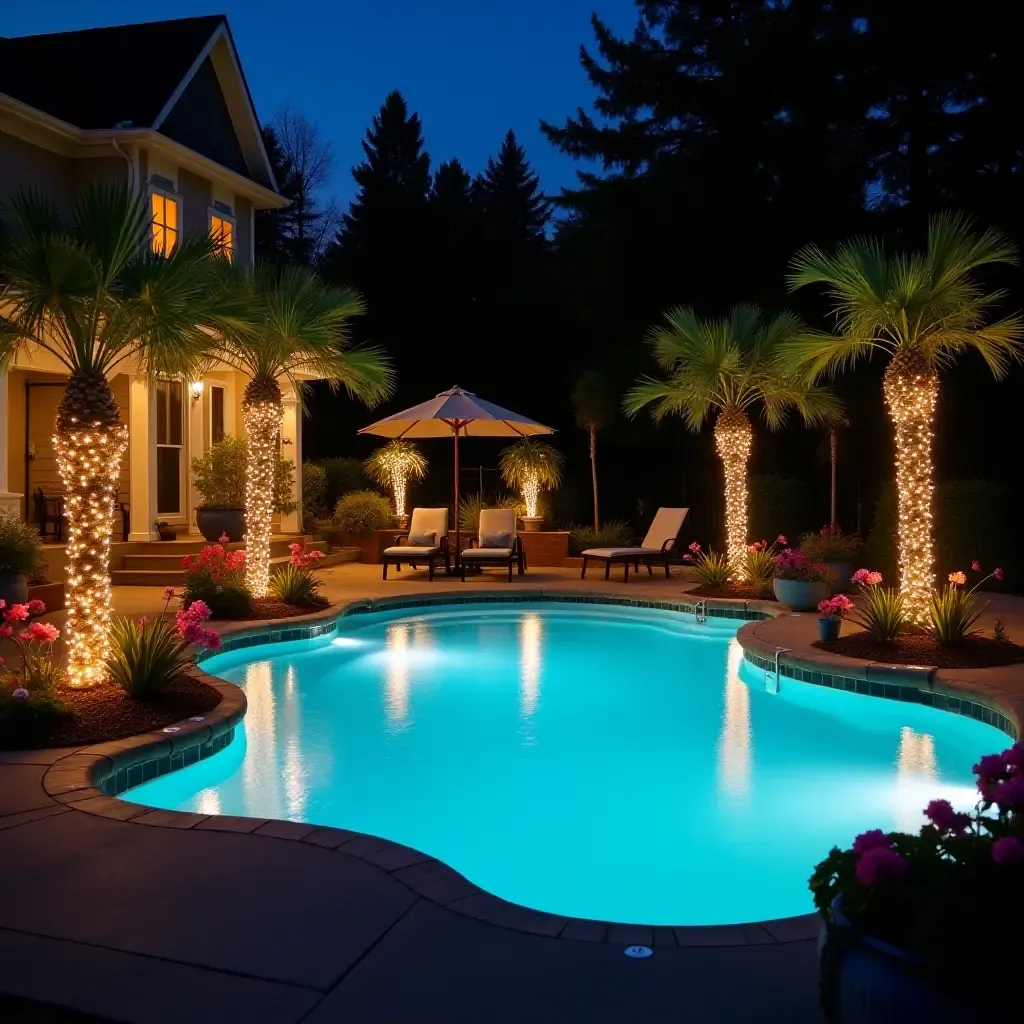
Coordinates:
[921,648]
[733,591]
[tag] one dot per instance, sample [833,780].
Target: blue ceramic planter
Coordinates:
[828,628]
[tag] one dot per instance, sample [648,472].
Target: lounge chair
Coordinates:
[496,542]
[426,540]
[660,546]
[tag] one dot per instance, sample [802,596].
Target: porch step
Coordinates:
[171,576]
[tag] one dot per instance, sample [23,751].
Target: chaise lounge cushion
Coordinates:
[409,553]
[471,553]
[623,552]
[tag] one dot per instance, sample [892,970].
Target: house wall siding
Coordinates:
[243,231]
[196,196]
[103,170]
[23,165]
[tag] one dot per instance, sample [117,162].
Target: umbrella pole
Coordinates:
[457,536]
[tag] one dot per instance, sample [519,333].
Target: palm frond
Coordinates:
[112,223]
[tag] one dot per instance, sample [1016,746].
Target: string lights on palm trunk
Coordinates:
[733,436]
[263,426]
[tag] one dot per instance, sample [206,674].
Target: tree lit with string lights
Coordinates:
[92,295]
[724,368]
[531,465]
[393,465]
[921,310]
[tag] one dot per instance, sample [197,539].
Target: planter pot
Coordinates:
[51,594]
[167,534]
[828,628]
[531,524]
[801,595]
[213,522]
[867,981]
[842,572]
[14,589]
[370,545]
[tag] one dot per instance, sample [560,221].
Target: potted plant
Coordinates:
[800,583]
[530,465]
[832,610]
[20,553]
[835,550]
[164,530]
[357,518]
[916,926]
[394,465]
[220,476]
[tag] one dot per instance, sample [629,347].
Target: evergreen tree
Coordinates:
[275,228]
[515,211]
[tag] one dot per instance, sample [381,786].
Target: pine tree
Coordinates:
[514,210]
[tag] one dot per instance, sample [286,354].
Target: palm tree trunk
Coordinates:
[833,444]
[911,389]
[593,471]
[732,442]
[263,413]
[90,440]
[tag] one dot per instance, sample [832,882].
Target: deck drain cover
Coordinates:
[639,952]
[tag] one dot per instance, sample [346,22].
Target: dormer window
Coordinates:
[222,230]
[166,221]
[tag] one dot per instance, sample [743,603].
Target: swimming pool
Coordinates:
[597,761]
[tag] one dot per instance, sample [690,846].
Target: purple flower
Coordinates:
[1008,850]
[991,766]
[880,864]
[1014,755]
[1009,793]
[21,693]
[944,818]
[976,565]
[871,840]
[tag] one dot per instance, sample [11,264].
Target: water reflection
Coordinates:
[408,644]
[531,635]
[260,737]
[735,739]
[917,777]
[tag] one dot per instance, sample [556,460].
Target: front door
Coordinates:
[170,453]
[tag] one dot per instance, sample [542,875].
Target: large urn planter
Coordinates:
[841,573]
[867,981]
[802,595]
[531,524]
[371,545]
[213,523]
[14,589]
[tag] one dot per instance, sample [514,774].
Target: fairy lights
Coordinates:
[732,442]
[263,427]
[393,466]
[911,393]
[89,462]
[531,494]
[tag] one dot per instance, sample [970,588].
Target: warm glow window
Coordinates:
[170,408]
[216,414]
[165,223]
[223,232]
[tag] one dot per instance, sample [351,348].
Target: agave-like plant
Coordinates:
[394,465]
[725,368]
[529,465]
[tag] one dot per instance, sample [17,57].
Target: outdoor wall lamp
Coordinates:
[196,388]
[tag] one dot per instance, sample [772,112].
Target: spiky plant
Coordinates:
[725,368]
[92,295]
[393,465]
[295,327]
[530,465]
[921,310]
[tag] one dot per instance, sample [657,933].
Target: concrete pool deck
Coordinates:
[242,919]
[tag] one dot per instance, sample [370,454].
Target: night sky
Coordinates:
[471,69]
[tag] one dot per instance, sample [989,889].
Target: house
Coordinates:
[164,107]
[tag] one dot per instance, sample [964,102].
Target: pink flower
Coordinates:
[211,639]
[754,547]
[199,610]
[168,593]
[694,548]
[1008,850]
[295,548]
[186,562]
[6,631]
[880,864]
[866,578]
[976,566]
[836,607]
[687,557]
[44,632]
[315,555]
[781,540]
[143,622]
[958,577]
[998,573]
[36,607]
[21,693]
[944,818]
[16,613]
[869,840]
[3,604]
[224,538]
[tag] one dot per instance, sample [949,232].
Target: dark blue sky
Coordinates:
[472,69]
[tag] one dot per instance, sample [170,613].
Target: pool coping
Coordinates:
[89,779]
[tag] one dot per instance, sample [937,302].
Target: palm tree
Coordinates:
[93,296]
[294,327]
[922,310]
[392,465]
[726,367]
[594,404]
[530,465]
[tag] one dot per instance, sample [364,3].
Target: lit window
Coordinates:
[223,233]
[165,224]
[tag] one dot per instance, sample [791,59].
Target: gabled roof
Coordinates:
[129,76]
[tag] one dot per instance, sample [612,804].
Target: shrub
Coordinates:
[711,569]
[613,534]
[20,548]
[883,614]
[952,612]
[295,582]
[795,565]
[778,504]
[759,568]
[830,544]
[344,475]
[216,576]
[220,475]
[147,656]
[469,508]
[362,512]
[314,492]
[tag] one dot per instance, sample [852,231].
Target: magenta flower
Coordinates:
[694,548]
[880,864]
[224,538]
[781,540]
[687,557]
[168,593]
[1009,793]
[1008,850]
[998,573]
[36,607]
[944,818]
[836,607]
[991,766]
[199,610]
[44,632]
[1015,755]
[870,840]
[6,630]
[16,613]
[976,566]
[186,562]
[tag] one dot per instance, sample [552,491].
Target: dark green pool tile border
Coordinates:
[890,691]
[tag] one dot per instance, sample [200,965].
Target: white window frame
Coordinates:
[211,212]
[183,448]
[174,197]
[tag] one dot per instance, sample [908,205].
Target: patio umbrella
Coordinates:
[456,413]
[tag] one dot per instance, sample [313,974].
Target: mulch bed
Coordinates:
[106,713]
[733,591]
[272,608]
[921,649]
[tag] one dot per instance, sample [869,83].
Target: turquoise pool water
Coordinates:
[598,761]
